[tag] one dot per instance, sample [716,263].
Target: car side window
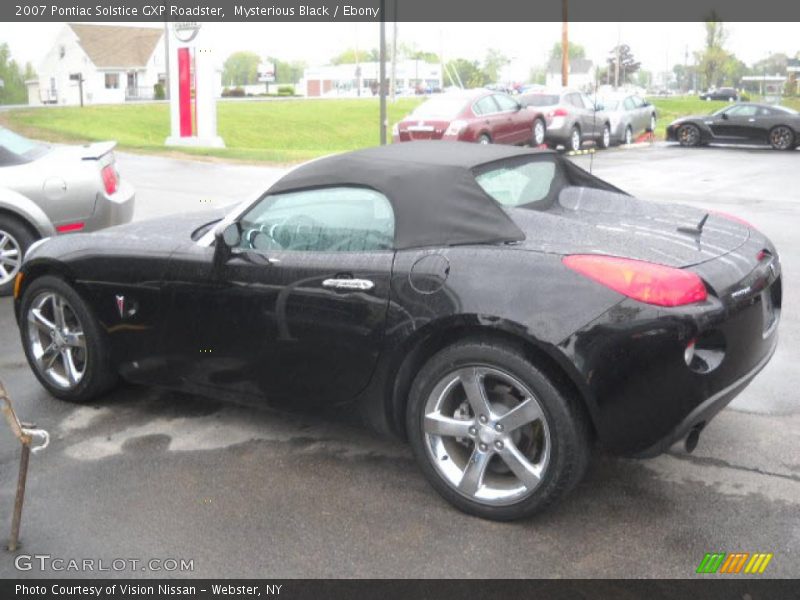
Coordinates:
[485,106]
[629,103]
[335,219]
[742,110]
[505,103]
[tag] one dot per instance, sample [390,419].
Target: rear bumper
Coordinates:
[112,210]
[707,410]
[632,368]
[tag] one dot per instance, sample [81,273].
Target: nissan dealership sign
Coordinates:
[185,31]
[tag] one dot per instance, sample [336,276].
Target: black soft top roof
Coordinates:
[431,186]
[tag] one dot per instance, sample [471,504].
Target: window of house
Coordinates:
[112,81]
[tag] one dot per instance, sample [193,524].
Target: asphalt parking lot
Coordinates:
[249,493]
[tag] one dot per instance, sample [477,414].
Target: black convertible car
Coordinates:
[500,307]
[743,123]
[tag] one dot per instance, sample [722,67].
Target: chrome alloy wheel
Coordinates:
[538,133]
[781,138]
[487,435]
[10,257]
[56,340]
[575,140]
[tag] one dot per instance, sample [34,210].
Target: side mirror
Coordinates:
[225,239]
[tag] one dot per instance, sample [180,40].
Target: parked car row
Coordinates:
[559,117]
[47,191]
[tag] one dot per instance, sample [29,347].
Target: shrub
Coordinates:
[158,92]
[286,90]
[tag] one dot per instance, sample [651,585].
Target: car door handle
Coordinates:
[362,285]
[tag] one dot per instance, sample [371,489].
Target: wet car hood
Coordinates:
[591,221]
[151,237]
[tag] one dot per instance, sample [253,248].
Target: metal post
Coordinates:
[166,59]
[25,435]
[564,45]
[382,74]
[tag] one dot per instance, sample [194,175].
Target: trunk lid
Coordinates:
[591,221]
[422,129]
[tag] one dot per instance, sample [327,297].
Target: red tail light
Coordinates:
[642,281]
[110,179]
[559,112]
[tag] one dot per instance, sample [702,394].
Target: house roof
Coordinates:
[116,46]
[576,66]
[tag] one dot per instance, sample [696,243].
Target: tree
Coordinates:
[352,56]
[774,64]
[493,64]
[288,72]
[628,65]
[468,72]
[241,68]
[574,51]
[711,60]
[14,90]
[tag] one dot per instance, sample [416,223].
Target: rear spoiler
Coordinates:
[97,150]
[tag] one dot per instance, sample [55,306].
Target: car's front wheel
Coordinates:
[14,242]
[493,434]
[63,342]
[605,138]
[688,135]
[538,133]
[781,138]
[628,136]
[574,140]
[484,139]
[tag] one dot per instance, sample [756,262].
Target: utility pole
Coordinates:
[564,44]
[166,59]
[394,55]
[382,74]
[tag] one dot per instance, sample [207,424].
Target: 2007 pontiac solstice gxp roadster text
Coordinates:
[499,307]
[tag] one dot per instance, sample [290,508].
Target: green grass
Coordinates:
[274,131]
[278,131]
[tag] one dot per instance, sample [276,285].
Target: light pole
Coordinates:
[382,74]
[564,44]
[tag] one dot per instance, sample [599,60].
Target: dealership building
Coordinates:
[349,79]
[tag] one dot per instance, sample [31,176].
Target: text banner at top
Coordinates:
[400,10]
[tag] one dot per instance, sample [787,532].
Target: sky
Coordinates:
[657,45]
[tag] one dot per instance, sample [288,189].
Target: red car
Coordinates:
[482,116]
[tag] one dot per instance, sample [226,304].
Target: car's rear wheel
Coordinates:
[781,138]
[15,239]
[538,133]
[574,140]
[493,434]
[63,342]
[688,135]
[628,135]
[652,128]
[484,139]
[605,138]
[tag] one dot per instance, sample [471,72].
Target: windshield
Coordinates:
[518,182]
[441,107]
[15,149]
[539,99]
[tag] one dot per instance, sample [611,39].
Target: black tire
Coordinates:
[605,137]
[538,123]
[653,123]
[98,376]
[688,135]
[567,422]
[484,139]
[573,138]
[782,138]
[15,239]
[627,137]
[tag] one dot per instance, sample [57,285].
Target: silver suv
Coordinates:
[572,118]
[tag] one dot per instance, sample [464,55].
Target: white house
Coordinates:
[116,64]
[581,73]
